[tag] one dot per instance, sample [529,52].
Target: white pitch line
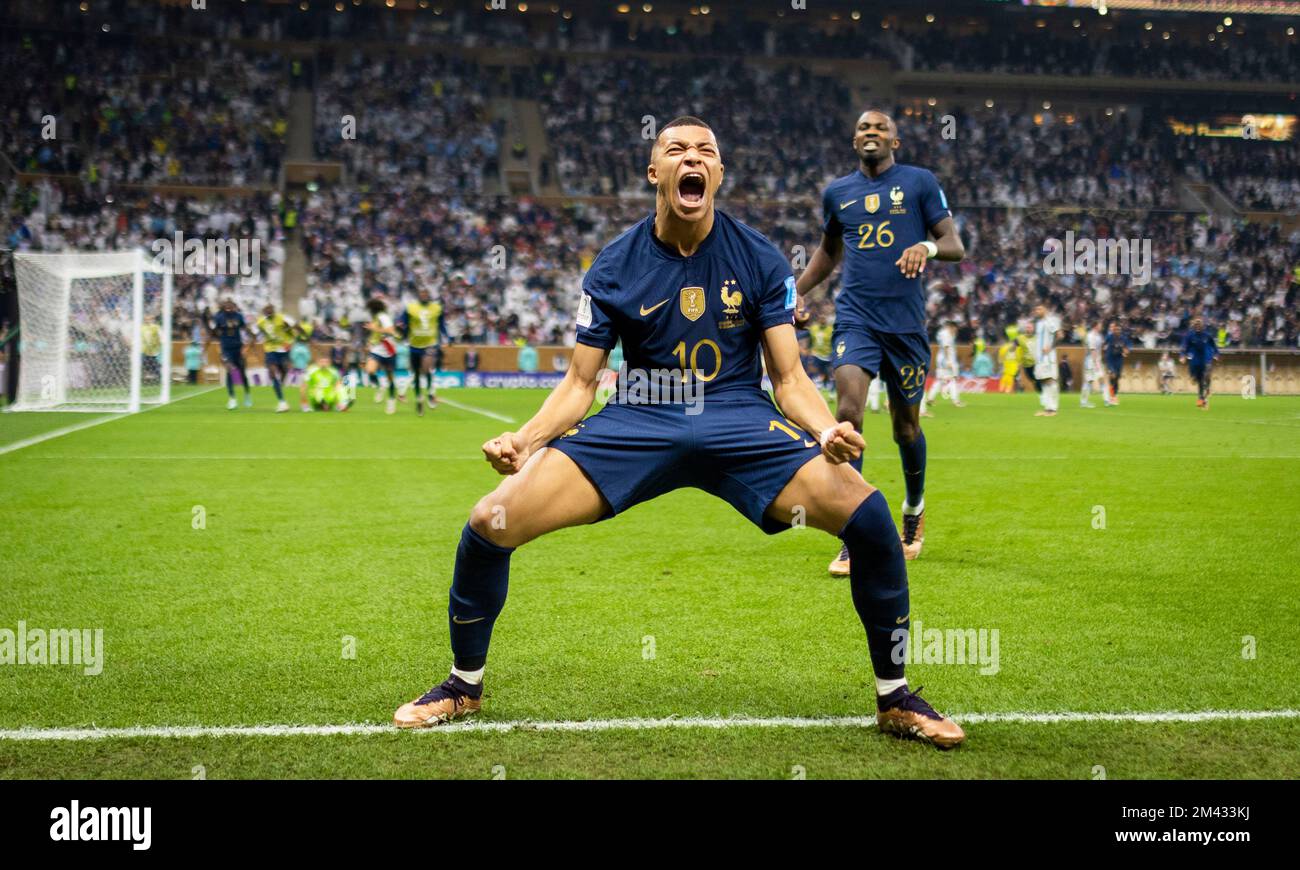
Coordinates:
[589,725]
[57,433]
[77,427]
[493,414]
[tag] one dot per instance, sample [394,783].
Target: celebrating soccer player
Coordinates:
[1199,351]
[881,215]
[228,326]
[383,350]
[694,293]
[422,323]
[278,333]
[1114,350]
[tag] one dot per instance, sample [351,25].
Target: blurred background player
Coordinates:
[881,214]
[193,361]
[1199,351]
[1114,350]
[422,324]
[228,327]
[278,333]
[151,347]
[1167,374]
[323,389]
[1047,330]
[947,371]
[1092,366]
[1010,355]
[383,351]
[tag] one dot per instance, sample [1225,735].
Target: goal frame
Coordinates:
[66,267]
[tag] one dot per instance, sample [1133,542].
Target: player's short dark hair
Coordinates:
[680,121]
[686,121]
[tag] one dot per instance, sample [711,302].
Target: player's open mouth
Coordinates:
[691,188]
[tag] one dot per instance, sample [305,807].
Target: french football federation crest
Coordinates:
[692,302]
[839,348]
[730,301]
[896,195]
[872,202]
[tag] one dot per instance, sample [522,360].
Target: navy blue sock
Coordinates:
[279,393]
[478,592]
[914,468]
[230,383]
[878,581]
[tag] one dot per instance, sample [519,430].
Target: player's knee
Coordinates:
[849,409]
[489,519]
[906,432]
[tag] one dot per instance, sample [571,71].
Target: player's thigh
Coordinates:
[550,492]
[372,365]
[851,384]
[823,494]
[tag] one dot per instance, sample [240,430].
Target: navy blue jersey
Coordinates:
[1113,349]
[702,315]
[229,327]
[1199,348]
[879,218]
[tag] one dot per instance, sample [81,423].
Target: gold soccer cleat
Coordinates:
[453,699]
[906,714]
[839,566]
[913,535]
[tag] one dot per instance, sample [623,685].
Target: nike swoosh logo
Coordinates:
[808,443]
[845,205]
[901,619]
[645,311]
[459,621]
[913,394]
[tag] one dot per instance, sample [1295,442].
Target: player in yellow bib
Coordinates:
[422,324]
[278,333]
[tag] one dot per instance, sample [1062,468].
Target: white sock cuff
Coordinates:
[471,677]
[884,687]
[912,511]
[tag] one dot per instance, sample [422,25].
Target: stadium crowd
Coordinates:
[141,111]
[389,118]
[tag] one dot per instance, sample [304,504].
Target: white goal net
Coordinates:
[96,332]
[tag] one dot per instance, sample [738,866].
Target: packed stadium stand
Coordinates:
[489,154]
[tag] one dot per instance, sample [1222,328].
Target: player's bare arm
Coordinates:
[801,401]
[566,405]
[823,263]
[947,247]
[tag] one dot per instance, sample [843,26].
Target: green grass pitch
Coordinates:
[325,527]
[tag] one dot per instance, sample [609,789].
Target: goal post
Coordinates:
[95,332]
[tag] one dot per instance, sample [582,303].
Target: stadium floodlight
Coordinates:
[96,332]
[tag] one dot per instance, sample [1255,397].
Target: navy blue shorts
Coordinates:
[739,448]
[233,356]
[900,359]
[277,358]
[417,357]
[1197,372]
[386,362]
[1115,366]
